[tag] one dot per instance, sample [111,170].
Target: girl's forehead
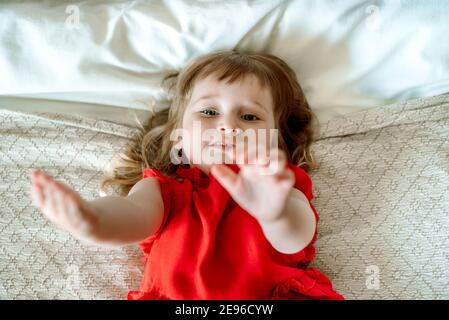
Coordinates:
[213,80]
[248,86]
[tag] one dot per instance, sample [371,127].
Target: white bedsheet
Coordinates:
[349,55]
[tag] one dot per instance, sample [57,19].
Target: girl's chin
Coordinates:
[215,160]
[215,155]
[212,162]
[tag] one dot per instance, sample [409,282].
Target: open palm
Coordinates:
[62,205]
[261,187]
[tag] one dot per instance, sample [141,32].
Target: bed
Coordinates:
[74,77]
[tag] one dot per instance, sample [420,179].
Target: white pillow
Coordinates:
[348,54]
[351,55]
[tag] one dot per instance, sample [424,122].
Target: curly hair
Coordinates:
[151,146]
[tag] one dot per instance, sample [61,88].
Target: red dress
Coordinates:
[208,247]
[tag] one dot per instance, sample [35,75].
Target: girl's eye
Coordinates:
[249,117]
[209,112]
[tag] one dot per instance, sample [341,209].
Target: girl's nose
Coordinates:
[230,131]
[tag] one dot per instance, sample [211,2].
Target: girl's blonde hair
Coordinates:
[151,146]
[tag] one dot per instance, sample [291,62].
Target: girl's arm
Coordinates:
[131,219]
[294,229]
[110,220]
[265,190]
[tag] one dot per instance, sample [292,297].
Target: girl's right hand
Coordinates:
[63,206]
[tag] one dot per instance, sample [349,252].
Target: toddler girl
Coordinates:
[220,208]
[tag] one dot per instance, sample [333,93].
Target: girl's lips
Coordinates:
[221,145]
[226,148]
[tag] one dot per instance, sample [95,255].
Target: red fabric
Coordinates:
[209,248]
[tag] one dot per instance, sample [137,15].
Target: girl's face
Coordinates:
[217,117]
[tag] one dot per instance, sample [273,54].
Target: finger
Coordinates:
[51,199]
[57,188]
[225,176]
[34,173]
[277,162]
[63,187]
[56,198]
[68,190]
[36,178]
[68,205]
[40,177]
[257,162]
[248,159]
[271,164]
[59,198]
[37,194]
[74,215]
[43,194]
[263,160]
[48,203]
[43,185]
[71,203]
[243,153]
[287,178]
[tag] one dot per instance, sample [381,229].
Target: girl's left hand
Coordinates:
[261,187]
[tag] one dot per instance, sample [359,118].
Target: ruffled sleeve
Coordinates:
[164,185]
[311,284]
[303,181]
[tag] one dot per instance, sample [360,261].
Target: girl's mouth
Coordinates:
[222,145]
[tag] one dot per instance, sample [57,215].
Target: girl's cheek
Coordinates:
[198,119]
[207,124]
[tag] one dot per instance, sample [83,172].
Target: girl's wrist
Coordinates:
[275,219]
[273,216]
[91,228]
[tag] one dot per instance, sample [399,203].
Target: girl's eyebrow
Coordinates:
[205,97]
[214,95]
[259,105]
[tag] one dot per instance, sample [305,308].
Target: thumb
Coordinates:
[225,176]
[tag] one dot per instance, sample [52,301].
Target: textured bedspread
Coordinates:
[382,192]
